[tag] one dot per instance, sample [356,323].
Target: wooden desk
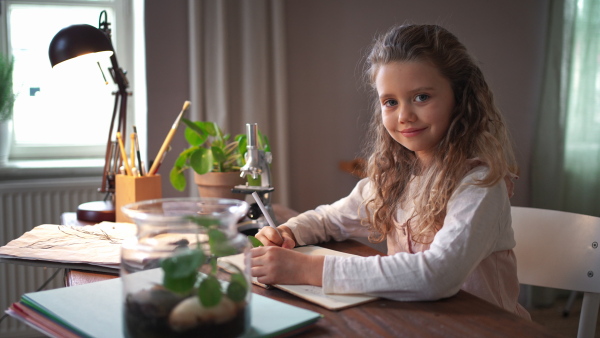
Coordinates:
[463,315]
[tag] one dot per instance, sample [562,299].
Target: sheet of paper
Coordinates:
[98,244]
[311,293]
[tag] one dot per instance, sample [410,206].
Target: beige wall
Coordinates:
[328,105]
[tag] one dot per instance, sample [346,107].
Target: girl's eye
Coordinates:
[421,97]
[390,103]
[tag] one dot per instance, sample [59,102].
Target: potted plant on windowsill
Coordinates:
[215,158]
[7,100]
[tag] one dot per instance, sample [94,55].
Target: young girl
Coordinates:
[438,186]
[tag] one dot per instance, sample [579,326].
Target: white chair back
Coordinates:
[560,250]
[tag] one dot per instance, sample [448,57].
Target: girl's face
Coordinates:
[416,105]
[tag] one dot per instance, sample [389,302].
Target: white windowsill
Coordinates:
[24,169]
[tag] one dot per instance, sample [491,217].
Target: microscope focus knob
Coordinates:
[268,157]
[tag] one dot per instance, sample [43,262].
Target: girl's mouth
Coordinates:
[410,132]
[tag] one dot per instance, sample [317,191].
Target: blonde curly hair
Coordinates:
[477,130]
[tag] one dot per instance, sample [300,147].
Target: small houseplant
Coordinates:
[7,96]
[211,151]
[7,100]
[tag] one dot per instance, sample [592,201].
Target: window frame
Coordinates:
[123,40]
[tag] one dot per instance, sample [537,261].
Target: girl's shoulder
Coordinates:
[478,167]
[477,171]
[475,164]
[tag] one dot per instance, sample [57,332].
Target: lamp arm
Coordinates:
[108,177]
[120,105]
[119,77]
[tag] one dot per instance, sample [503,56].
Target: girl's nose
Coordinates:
[405,113]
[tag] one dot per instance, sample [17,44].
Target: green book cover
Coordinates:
[95,310]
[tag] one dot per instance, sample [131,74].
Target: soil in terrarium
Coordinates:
[149,314]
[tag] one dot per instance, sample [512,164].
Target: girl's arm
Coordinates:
[337,221]
[476,225]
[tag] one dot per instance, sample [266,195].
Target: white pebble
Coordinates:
[190,313]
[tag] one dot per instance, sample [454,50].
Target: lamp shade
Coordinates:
[77,40]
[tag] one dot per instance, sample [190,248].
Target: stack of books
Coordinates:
[95,310]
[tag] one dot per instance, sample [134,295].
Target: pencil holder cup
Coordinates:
[130,189]
[174,284]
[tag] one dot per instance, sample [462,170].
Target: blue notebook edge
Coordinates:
[95,310]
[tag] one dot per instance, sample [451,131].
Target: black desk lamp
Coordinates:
[85,40]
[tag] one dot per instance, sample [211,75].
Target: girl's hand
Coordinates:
[275,265]
[269,237]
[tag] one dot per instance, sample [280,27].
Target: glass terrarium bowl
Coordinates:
[173,282]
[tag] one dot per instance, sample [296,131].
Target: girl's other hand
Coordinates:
[275,265]
[269,237]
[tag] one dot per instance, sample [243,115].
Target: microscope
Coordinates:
[257,165]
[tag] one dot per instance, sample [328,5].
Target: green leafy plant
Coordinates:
[181,271]
[210,150]
[7,96]
[254,241]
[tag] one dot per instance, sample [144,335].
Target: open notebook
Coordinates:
[312,293]
[95,310]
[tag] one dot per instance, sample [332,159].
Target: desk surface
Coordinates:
[463,315]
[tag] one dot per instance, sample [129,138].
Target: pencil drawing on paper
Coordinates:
[70,232]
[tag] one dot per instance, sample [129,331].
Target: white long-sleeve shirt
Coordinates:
[472,251]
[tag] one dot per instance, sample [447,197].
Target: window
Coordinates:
[566,159]
[61,112]
[582,129]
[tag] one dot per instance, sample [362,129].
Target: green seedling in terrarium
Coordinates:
[181,271]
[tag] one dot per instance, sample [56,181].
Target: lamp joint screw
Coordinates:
[590,274]
[595,245]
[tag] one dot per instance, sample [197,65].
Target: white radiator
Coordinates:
[25,204]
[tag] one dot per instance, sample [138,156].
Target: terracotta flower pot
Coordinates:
[219,185]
